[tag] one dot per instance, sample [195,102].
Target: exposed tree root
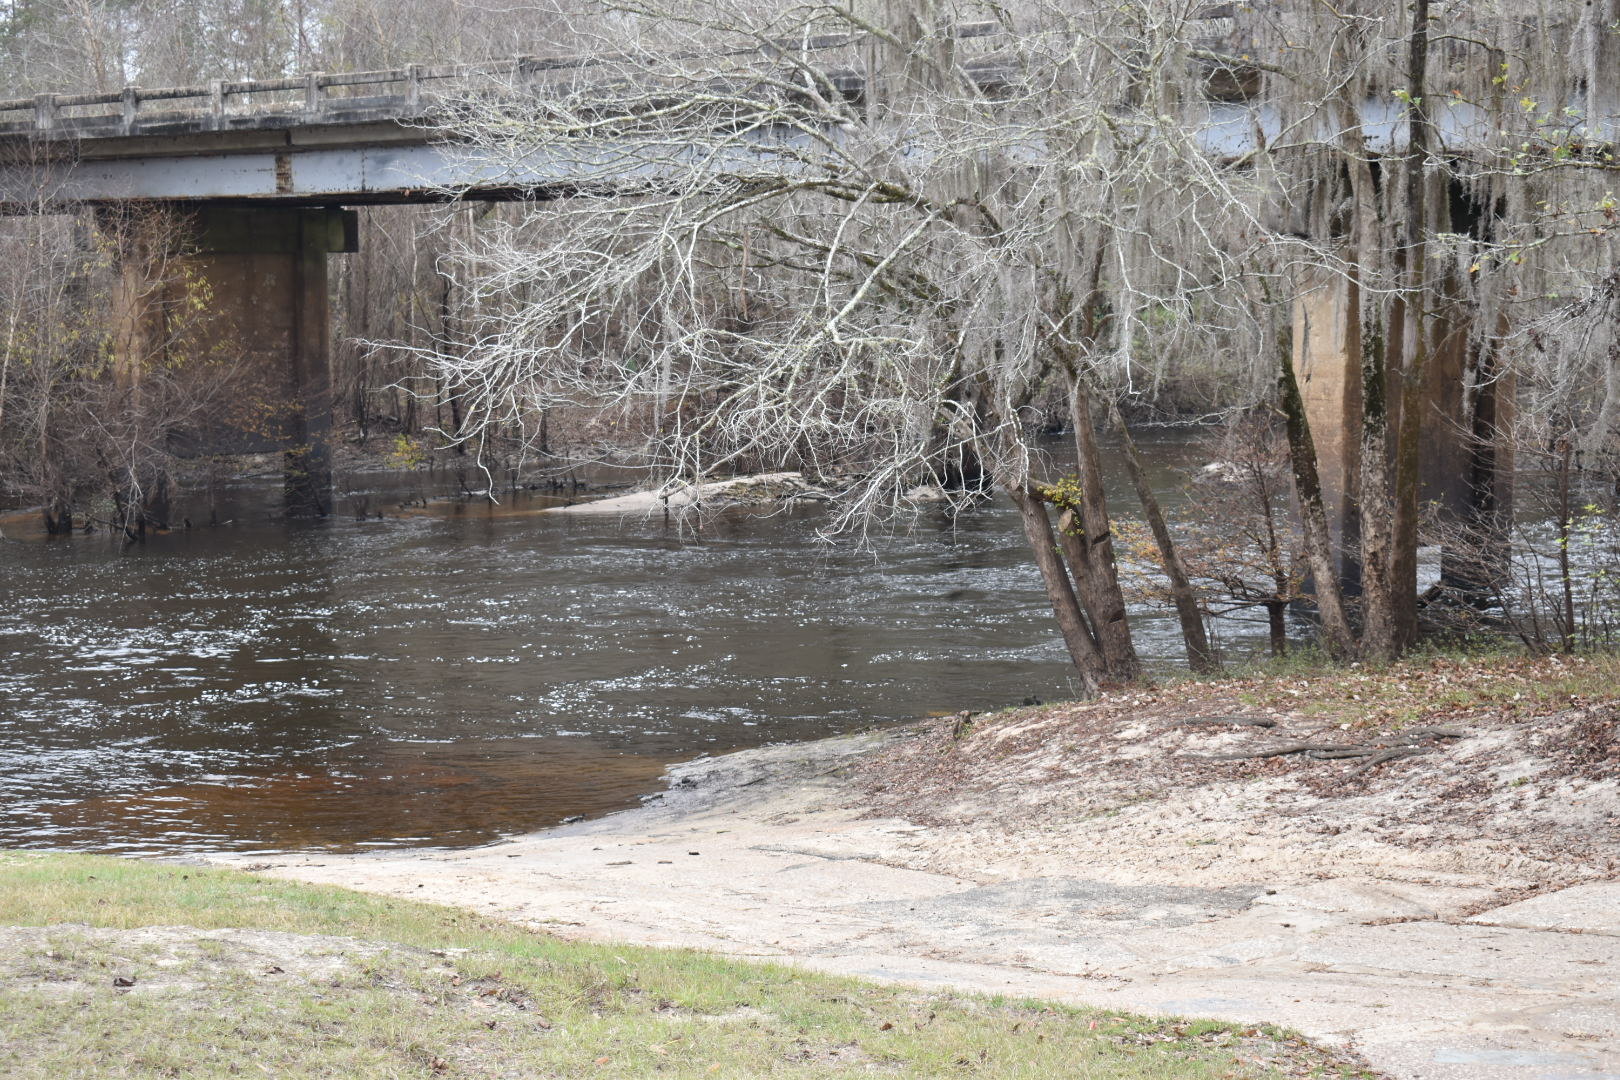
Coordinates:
[1388,755]
[1426,731]
[1407,743]
[1279,750]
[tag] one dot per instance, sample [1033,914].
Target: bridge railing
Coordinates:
[220,105]
[405,93]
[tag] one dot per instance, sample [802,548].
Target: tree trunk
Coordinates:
[1083,649]
[1413,343]
[1276,611]
[1379,640]
[1200,657]
[1104,600]
[1077,556]
[1337,637]
[1566,584]
[1375,510]
[1078,560]
[58,518]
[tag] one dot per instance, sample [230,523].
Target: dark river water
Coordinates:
[453,674]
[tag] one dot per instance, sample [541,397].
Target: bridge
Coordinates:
[350,139]
[262,173]
[265,171]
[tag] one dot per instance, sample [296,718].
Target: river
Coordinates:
[454,673]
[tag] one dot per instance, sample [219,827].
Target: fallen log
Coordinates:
[1276,751]
[1241,721]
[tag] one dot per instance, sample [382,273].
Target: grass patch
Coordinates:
[291,980]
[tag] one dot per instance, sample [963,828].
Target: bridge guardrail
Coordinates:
[223,104]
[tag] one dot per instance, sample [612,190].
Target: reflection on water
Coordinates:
[430,793]
[443,678]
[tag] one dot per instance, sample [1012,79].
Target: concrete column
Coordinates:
[259,275]
[308,468]
[1466,458]
[1327,363]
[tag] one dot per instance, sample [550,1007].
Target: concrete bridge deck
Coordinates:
[319,140]
[322,139]
[389,136]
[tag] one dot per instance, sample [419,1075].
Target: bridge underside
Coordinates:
[378,164]
[369,164]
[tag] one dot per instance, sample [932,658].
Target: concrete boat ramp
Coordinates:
[768,854]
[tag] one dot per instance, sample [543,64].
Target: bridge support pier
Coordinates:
[1465,449]
[260,274]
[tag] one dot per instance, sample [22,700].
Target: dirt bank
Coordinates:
[1449,911]
[1160,785]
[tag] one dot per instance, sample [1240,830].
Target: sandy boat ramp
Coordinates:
[1239,894]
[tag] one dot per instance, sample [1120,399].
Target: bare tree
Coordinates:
[861,243]
[101,365]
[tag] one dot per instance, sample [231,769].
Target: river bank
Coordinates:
[1447,913]
[177,970]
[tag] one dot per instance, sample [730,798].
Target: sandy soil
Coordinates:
[1135,787]
[1449,914]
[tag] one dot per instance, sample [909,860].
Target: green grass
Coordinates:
[429,991]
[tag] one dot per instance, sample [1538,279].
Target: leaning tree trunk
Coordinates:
[1088,588]
[1087,533]
[1077,636]
[1200,657]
